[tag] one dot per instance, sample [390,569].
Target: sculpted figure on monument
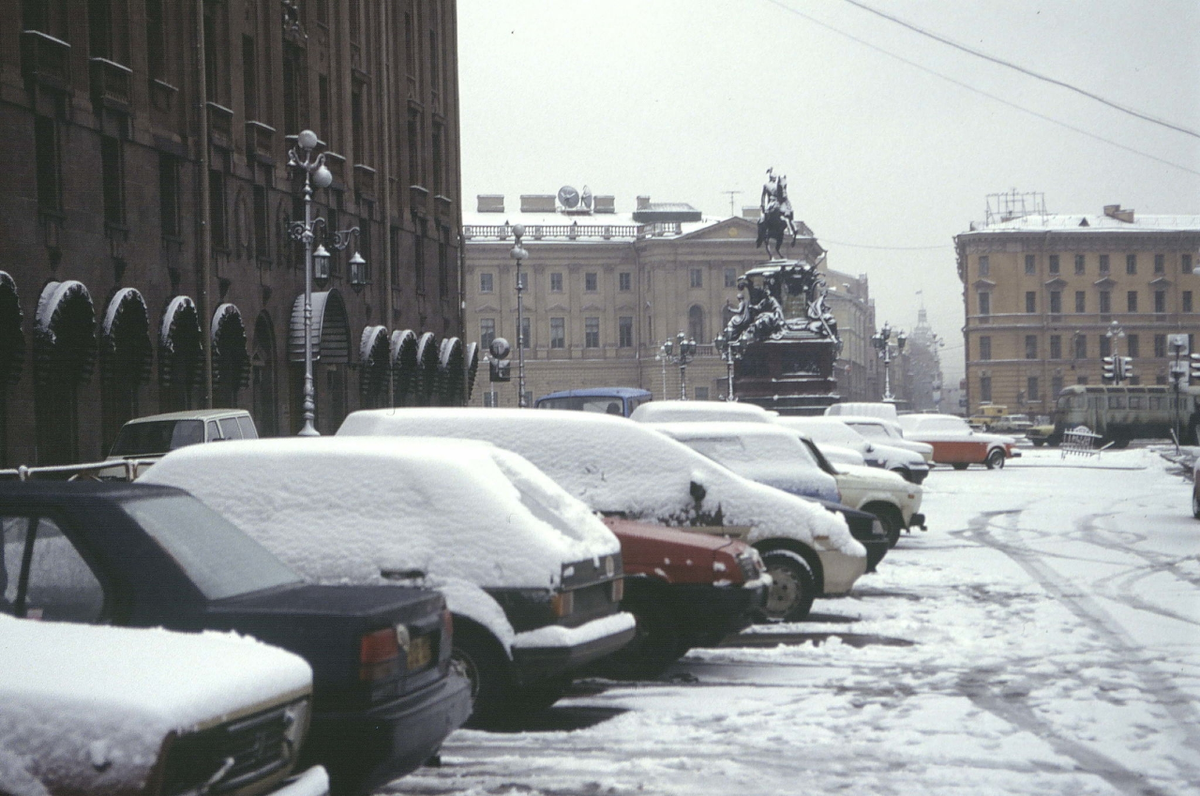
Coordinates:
[777,217]
[759,316]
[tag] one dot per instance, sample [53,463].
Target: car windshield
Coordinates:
[871,430]
[605,404]
[213,552]
[819,457]
[157,437]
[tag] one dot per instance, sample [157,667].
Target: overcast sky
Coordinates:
[683,100]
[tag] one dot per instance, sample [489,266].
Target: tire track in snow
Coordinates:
[1124,652]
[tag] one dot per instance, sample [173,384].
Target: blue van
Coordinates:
[606,400]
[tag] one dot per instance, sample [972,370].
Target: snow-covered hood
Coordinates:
[346,509]
[85,709]
[873,478]
[619,466]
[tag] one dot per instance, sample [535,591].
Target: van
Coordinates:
[605,400]
[625,469]
[532,578]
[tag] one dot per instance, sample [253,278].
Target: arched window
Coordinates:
[696,325]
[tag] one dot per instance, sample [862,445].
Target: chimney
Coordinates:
[643,203]
[537,203]
[491,203]
[751,212]
[605,204]
[1115,211]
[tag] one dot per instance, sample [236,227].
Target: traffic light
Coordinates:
[1195,368]
[1124,369]
[500,370]
[1108,369]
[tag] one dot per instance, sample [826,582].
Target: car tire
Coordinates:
[889,518]
[959,465]
[794,587]
[656,642]
[1037,443]
[995,458]
[478,656]
[1195,504]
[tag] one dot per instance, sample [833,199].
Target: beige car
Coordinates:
[144,440]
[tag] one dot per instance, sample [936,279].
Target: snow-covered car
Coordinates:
[144,555]
[623,468]
[105,711]
[956,443]
[830,433]
[676,411]
[145,439]
[880,409]
[882,431]
[533,579]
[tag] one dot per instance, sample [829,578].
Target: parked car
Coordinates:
[145,439]
[701,411]
[957,444]
[986,416]
[880,409]
[622,468]
[780,457]
[831,433]
[107,711]
[1012,424]
[606,400]
[1042,434]
[887,432]
[533,579]
[685,590]
[144,555]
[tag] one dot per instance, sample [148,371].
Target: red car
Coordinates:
[957,444]
[685,590]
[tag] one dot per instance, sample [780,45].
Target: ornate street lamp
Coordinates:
[728,353]
[519,253]
[316,260]
[884,347]
[681,352]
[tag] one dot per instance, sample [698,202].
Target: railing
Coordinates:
[113,469]
[112,83]
[364,179]
[220,121]
[46,59]
[260,139]
[574,231]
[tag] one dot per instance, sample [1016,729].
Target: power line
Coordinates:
[886,248]
[1023,70]
[1002,101]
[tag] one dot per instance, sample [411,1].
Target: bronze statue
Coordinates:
[777,217]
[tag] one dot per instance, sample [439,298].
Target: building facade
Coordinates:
[604,290]
[1042,292]
[147,263]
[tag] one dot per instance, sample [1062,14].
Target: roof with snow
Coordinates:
[1064,222]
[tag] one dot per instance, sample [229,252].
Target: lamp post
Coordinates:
[728,353]
[519,253]
[882,341]
[315,235]
[664,353]
[681,351]
[1115,333]
[1178,345]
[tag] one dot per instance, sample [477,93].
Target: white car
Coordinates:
[106,711]
[831,433]
[532,578]
[882,431]
[619,467]
[701,411]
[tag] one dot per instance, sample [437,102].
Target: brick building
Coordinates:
[146,263]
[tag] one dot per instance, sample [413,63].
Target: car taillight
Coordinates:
[447,628]
[618,590]
[562,603]
[379,654]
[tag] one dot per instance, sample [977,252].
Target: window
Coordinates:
[1055,302]
[556,282]
[1080,347]
[414,147]
[696,277]
[1160,301]
[985,389]
[1054,269]
[1080,264]
[1031,346]
[1160,263]
[1105,302]
[487,331]
[985,303]
[168,195]
[1056,386]
[1055,346]
[262,224]
[558,333]
[358,119]
[1031,389]
[1133,348]
[696,323]
[418,253]
[1187,301]
[591,332]
[49,164]
[1131,263]
[1104,263]
[985,347]
[526,336]
[112,174]
[589,281]
[443,255]
[249,78]
[730,277]
[1081,379]
[486,282]
[1030,301]
[55,584]
[491,399]
[1030,264]
[1080,301]
[625,331]
[216,208]
[1160,345]
[1131,301]
[325,108]
[438,157]
[155,39]
[1105,345]
[701,393]
[1185,263]
[984,266]
[624,281]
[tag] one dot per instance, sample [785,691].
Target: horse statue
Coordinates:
[777,217]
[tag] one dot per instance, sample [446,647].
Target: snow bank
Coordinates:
[86,709]
[616,465]
[345,509]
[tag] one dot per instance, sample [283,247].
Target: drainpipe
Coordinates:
[388,299]
[203,215]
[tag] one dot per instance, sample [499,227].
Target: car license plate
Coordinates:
[420,653]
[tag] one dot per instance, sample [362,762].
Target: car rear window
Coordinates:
[216,555]
[158,436]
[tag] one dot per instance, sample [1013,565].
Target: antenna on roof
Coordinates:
[731,195]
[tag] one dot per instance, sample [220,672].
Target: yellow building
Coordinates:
[1042,291]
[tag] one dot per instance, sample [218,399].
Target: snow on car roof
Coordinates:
[695,411]
[822,429]
[343,509]
[616,465]
[113,694]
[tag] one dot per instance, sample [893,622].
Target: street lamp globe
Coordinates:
[307,139]
[322,177]
[320,268]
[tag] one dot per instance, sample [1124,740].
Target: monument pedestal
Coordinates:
[792,375]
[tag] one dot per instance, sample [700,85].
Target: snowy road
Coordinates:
[1042,638]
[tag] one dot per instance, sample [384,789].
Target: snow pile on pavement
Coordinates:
[616,465]
[87,708]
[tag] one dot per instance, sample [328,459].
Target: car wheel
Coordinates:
[656,643]
[995,458]
[1037,443]
[959,465]
[793,589]
[889,518]
[477,656]
[1195,504]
